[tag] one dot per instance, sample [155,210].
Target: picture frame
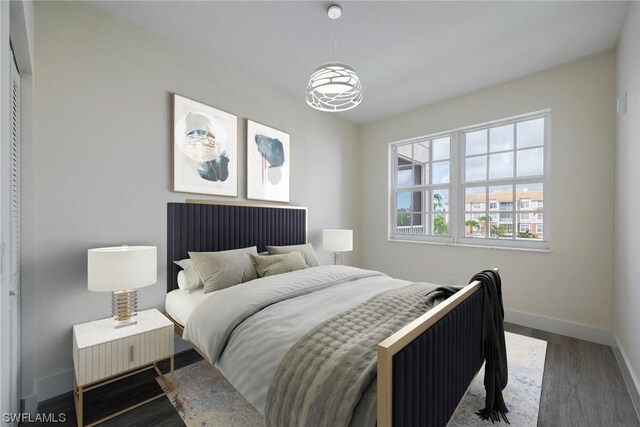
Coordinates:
[268,163]
[205,148]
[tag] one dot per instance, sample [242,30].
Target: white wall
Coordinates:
[627,207]
[102,161]
[573,282]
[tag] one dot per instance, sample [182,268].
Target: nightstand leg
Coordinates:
[77,397]
[173,378]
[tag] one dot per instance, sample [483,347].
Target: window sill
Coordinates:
[468,245]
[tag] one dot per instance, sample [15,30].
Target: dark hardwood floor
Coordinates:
[118,395]
[582,387]
[582,384]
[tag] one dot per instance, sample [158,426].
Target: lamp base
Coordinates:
[337,258]
[124,308]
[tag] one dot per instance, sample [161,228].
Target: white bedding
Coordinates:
[247,329]
[180,303]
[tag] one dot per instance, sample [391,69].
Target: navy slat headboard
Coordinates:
[208,227]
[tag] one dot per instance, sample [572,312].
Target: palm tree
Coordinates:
[472,223]
[440,226]
[437,202]
[485,220]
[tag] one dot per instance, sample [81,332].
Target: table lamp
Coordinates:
[337,241]
[121,270]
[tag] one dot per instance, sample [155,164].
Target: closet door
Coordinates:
[11,208]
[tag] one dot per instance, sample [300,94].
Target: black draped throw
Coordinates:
[495,369]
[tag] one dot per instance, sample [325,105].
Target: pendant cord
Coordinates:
[333,40]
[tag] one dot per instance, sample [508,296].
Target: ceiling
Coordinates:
[407,54]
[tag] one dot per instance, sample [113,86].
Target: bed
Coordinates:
[422,370]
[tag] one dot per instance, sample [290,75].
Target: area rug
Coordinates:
[205,398]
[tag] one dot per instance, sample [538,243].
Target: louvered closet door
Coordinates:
[14,242]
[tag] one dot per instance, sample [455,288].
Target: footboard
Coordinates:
[425,368]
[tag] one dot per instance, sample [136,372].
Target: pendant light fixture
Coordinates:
[334,86]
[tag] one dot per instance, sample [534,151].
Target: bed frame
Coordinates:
[423,370]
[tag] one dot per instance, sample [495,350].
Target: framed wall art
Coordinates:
[268,163]
[205,148]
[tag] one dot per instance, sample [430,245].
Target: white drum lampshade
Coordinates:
[121,270]
[337,241]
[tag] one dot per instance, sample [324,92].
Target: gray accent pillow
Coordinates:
[305,250]
[192,280]
[278,264]
[219,270]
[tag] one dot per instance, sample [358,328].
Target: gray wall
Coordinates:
[574,281]
[101,167]
[627,208]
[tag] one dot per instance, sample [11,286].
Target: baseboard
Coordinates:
[629,375]
[62,382]
[54,385]
[559,326]
[29,405]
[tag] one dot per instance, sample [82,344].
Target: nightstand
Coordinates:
[103,354]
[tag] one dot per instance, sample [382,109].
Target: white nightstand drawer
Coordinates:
[111,358]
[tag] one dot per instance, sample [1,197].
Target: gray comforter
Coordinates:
[247,330]
[330,371]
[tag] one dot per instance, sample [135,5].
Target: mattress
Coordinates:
[179,304]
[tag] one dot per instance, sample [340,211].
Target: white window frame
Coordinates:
[393,189]
[457,187]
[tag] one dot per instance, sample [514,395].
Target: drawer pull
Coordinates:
[131,354]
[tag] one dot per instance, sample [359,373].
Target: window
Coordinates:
[474,185]
[422,182]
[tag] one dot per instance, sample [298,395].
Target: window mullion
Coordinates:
[515,149]
[488,155]
[452,193]
[487,215]
[394,196]
[514,222]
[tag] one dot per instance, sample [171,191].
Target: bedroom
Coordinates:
[97,84]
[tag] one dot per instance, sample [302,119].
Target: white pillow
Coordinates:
[190,280]
[182,281]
